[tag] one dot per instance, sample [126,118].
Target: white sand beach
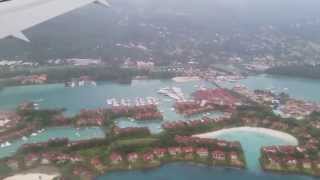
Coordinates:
[270,132]
[185,78]
[32,176]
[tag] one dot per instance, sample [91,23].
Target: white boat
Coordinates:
[6,144]
[24,138]
[109,101]
[41,131]
[34,134]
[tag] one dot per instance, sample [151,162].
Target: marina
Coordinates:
[117,96]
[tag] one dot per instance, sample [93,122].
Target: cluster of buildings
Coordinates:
[261,64]
[33,79]
[188,153]
[141,65]
[90,117]
[290,108]
[45,158]
[8,120]
[216,143]
[259,96]
[290,158]
[189,108]
[298,109]
[81,82]
[218,97]
[142,112]
[205,121]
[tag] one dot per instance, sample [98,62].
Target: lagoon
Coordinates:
[60,132]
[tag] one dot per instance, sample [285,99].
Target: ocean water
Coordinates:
[180,171]
[61,132]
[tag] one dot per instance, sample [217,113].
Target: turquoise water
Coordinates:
[71,133]
[75,99]
[251,143]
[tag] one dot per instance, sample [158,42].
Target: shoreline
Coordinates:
[270,132]
[45,172]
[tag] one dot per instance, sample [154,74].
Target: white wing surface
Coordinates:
[19,15]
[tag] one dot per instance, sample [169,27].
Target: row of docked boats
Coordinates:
[173,92]
[138,101]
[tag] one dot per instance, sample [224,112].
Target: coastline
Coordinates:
[32,176]
[270,132]
[45,172]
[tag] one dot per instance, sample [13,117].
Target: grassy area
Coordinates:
[4,170]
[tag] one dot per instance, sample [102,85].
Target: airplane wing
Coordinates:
[19,15]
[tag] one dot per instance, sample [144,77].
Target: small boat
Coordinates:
[6,144]
[34,134]
[41,131]
[24,138]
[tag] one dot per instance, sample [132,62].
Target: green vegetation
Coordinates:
[133,145]
[41,117]
[4,169]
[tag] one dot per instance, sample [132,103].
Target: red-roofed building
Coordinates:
[115,158]
[132,157]
[173,151]
[270,149]
[287,149]
[202,152]
[187,150]
[96,162]
[148,157]
[159,152]
[290,161]
[218,155]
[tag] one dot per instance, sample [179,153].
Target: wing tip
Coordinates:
[21,36]
[103,2]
